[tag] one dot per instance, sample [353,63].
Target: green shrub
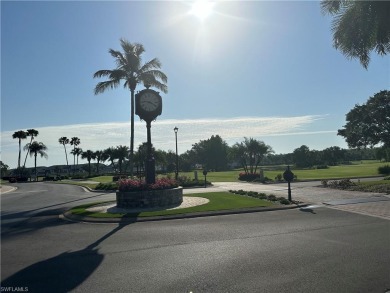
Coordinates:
[322,167]
[341,184]
[107,186]
[279,177]
[262,196]
[272,197]
[385,170]
[284,201]
[248,176]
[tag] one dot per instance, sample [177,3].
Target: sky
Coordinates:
[261,69]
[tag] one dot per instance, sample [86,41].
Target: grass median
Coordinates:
[218,201]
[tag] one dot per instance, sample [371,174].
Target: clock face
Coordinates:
[149,102]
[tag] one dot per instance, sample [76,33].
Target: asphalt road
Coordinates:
[312,250]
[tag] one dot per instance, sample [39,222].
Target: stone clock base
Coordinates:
[149,198]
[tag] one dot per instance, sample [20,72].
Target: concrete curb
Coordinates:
[6,189]
[76,218]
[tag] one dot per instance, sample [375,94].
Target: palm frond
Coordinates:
[102,73]
[119,58]
[152,64]
[101,87]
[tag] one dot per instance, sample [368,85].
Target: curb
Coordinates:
[7,189]
[85,219]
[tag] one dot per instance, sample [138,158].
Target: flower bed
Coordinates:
[139,185]
[137,194]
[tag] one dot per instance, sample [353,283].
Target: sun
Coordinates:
[202,9]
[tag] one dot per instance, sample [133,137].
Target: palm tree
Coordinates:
[131,70]
[89,155]
[74,141]
[100,156]
[359,27]
[32,133]
[250,152]
[64,140]
[36,148]
[77,152]
[121,153]
[110,153]
[19,135]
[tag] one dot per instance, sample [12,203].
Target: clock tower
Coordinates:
[148,105]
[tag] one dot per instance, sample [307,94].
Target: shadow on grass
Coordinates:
[62,273]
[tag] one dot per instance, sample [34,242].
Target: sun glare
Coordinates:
[202,9]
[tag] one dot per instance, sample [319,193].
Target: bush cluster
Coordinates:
[248,176]
[107,186]
[261,195]
[385,170]
[139,185]
[117,177]
[322,167]
[341,184]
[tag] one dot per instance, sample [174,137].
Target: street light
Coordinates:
[177,155]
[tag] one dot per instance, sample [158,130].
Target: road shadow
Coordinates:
[62,273]
[307,210]
[13,223]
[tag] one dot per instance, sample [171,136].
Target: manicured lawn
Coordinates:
[356,170]
[102,179]
[367,169]
[342,171]
[217,201]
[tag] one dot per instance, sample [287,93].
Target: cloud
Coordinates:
[99,136]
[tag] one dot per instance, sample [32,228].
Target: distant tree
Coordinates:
[100,156]
[302,157]
[4,169]
[333,155]
[161,159]
[171,161]
[64,141]
[359,27]
[121,153]
[131,70]
[77,152]
[32,133]
[250,153]
[110,153]
[89,155]
[74,141]
[211,153]
[369,124]
[383,153]
[19,135]
[36,148]
[141,155]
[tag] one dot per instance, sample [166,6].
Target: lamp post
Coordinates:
[177,155]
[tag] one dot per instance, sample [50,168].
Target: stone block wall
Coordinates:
[149,198]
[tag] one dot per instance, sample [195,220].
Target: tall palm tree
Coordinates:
[121,153]
[77,152]
[19,135]
[64,140]
[110,153]
[74,141]
[89,155]
[131,70]
[36,148]
[32,133]
[100,156]
[359,27]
